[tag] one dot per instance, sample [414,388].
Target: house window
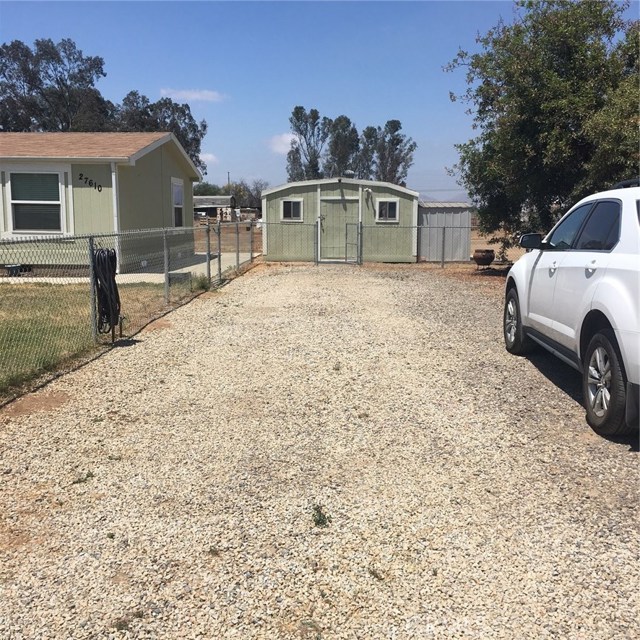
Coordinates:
[387,210]
[36,203]
[291,210]
[177,200]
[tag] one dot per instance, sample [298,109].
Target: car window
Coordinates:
[602,230]
[565,233]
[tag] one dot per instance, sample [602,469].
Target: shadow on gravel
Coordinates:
[125,342]
[568,380]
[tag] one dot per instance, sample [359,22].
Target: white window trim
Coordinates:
[64,193]
[300,219]
[180,182]
[377,212]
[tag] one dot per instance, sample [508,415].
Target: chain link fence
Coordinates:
[358,243]
[50,296]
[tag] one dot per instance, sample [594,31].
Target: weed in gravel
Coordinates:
[374,573]
[214,551]
[122,624]
[84,477]
[320,518]
[200,283]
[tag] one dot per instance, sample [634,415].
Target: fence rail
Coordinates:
[48,305]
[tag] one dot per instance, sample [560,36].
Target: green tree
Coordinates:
[365,165]
[323,147]
[206,189]
[51,88]
[311,133]
[539,90]
[137,113]
[394,153]
[613,130]
[342,148]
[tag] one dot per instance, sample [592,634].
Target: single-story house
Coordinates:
[220,207]
[60,185]
[320,219]
[445,227]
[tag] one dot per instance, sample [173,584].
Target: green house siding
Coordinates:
[291,240]
[92,198]
[144,191]
[145,201]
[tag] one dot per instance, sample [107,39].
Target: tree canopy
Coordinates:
[324,148]
[52,88]
[554,97]
[246,195]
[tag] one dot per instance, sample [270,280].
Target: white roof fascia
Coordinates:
[158,143]
[353,181]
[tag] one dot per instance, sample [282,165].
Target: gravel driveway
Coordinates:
[317,452]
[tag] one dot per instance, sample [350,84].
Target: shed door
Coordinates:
[334,217]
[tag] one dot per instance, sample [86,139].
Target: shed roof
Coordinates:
[430,204]
[353,181]
[111,147]
[213,201]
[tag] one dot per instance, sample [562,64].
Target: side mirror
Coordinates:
[530,241]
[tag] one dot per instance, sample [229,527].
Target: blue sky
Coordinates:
[243,67]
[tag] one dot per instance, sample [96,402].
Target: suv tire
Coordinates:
[604,385]
[515,340]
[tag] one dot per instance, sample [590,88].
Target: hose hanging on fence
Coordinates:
[104,269]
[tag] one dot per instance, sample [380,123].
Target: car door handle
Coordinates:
[591,267]
[553,268]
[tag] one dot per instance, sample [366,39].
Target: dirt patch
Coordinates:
[34,402]
[158,325]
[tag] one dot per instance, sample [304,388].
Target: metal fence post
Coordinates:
[166,265]
[250,240]
[237,245]
[218,231]
[208,253]
[360,242]
[444,229]
[92,284]
[316,237]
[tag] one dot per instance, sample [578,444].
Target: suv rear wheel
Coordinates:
[604,385]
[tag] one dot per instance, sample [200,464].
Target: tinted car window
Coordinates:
[602,230]
[565,233]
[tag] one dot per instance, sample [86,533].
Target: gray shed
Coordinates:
[445,228]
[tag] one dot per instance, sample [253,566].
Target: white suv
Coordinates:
[577,293]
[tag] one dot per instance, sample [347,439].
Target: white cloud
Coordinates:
[195,95]
[209,158]
[281,143]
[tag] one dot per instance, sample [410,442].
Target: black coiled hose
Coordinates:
[105,264]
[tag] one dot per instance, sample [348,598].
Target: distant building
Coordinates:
[219,207]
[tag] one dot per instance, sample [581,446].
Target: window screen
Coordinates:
[177,195]
[35,199]
[388,210]
[291,210]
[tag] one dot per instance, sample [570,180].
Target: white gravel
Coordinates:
[169,488]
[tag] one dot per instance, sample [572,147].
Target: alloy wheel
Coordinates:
[599,382]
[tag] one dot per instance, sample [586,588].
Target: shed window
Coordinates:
[36,204]
[387,210]
[292,210]
[177,197]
